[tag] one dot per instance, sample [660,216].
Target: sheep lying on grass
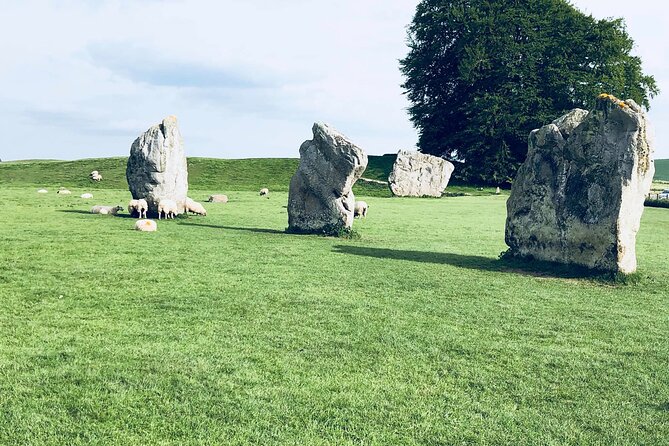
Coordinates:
[360,209]
[86,195]
[138,207]
[63,191]
[106,210]
[264,191]
[42,191]
[193,206]
[146,226]
[167,207]
[217,199]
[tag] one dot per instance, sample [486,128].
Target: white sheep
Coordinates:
[360,209]
[146,225]
[42,191]
[106,210]
[193,206]
[63,191]
[86,195]
[217,199]
[139,207]
[167,207]
[95,176]
[264,191]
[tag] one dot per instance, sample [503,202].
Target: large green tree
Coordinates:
[481,74]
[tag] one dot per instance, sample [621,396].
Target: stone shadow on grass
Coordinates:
[504,264]
[79,211]
[235,228]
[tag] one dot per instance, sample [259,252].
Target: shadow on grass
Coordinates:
[235,228]
[74,211]
[79,211]
[508,265]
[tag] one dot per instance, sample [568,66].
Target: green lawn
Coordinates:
[225,330]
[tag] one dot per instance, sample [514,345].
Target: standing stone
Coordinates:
[579,196]
[157,166]
[417,174]
[320,199]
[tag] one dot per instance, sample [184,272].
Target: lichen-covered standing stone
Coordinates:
[579,196]
[417,174]
[320,199]
[157,166]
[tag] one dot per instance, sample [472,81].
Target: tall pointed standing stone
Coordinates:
[320,199]
[157,166]
[579,196]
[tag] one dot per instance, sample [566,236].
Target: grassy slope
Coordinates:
[225,330]
[214,175]
[662,170]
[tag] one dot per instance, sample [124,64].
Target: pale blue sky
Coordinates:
[245,78]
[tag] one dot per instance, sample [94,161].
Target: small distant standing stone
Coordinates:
[417,174]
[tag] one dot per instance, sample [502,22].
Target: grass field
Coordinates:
[225,330]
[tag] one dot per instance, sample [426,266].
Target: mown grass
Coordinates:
[226,330]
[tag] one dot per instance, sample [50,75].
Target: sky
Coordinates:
[82,79]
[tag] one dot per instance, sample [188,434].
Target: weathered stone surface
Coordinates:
[157,166]
[320,199]
[417,174]
[578,198]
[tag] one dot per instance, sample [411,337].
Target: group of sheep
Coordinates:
[64,191]
[169,208]
[94,176]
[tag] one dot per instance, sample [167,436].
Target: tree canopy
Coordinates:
[481,74]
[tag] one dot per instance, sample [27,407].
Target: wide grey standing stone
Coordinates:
[417,174]
[157,166]
[579,196]
[320,199]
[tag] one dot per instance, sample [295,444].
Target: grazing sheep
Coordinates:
[146,226]
[168,207]
[87,195]
[360,209]
[63,191]
[139,207]
[95,176]
[42,191]
[193,206]
[106,210]
[264,191]
[217,199]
